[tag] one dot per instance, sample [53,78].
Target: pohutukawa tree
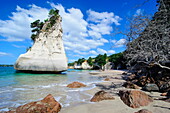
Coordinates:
[150,52]
[37,25]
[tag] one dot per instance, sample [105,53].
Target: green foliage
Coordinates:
[6,65]
[40,25]
[33,36]
[71,64]
[81,60]
[90,61]
[35,23]
[29,48]
[117,59]
[46,20]
[37,26]
[35,30]
[52,20]
[101,60]
[53,12]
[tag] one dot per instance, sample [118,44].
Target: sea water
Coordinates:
[20,88]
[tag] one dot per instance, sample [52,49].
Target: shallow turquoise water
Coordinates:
[20,88]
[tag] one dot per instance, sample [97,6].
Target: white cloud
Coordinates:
[113,41]
[93,52]
[101,23]
[72,60]
[138,12]
[103,17]
[81,36]
[111,52]
[82,53]
[17,28]
[76,33]
[120,43]
[79,56]
[101,51]
[4,54]
[17,46]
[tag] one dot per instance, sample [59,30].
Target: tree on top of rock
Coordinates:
[53,12]
[37,25]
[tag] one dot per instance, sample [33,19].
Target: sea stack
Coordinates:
[47,53]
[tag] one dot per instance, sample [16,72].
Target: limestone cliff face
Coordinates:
[47,53]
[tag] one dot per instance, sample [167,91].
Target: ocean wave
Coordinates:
[4,109]
[82,89]
[13,89]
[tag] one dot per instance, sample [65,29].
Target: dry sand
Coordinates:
[117,105]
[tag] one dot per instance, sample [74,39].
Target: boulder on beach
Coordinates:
[134,98]
[131,77]
[47,53]
[107,79]
[102,95]
[143,111]
[47,105]
[164,86]
[131,85]
[168,97]
[163,94]
[76,85]
[151,87]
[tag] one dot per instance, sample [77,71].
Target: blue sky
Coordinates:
[88,25]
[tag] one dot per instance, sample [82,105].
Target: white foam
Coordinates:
[13,89]
[58,98]
[4,109]
[62,84]
[4,91]
[81,89]
[66,105]
[46,86]
[19,89]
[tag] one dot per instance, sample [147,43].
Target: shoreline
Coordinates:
[117,105]
[112,85]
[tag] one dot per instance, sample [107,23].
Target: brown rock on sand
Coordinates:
[47,105]
[164,94]
[102,95]
[134,98]
[129,84]
[76,85]
[131,77]
[143,111]
[107,79]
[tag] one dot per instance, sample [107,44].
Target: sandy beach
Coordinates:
[117,105]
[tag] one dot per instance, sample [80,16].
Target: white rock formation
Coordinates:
[47,53]
[108,66]
[85,65]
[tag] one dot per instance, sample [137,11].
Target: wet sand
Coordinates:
[117,105]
